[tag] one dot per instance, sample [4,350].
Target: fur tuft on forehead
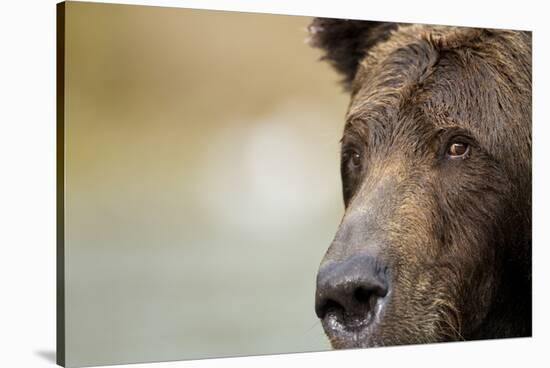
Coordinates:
[347,44]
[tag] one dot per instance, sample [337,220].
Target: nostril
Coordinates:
[329,305]
[362,295]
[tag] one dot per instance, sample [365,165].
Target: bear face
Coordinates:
[435,241]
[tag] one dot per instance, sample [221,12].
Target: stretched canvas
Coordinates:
[235,184]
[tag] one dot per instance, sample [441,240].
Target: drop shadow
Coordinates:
[48,355]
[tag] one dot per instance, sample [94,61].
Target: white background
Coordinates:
[27,181]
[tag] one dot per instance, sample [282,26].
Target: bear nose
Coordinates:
[352,287]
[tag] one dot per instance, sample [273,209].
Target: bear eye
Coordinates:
[458,149]
[352,159]
[355,159]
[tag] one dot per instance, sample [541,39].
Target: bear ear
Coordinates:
[346,42]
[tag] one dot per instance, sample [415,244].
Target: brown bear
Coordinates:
[435,241]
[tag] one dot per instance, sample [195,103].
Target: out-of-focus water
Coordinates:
[202,184]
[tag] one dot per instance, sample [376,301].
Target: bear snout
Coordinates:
[352,291]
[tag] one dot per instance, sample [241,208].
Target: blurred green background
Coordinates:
[202,183]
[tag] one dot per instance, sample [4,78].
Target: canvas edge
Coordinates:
[60,184]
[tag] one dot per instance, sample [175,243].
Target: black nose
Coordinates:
[352,287]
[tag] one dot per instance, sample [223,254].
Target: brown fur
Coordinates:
[456,234]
